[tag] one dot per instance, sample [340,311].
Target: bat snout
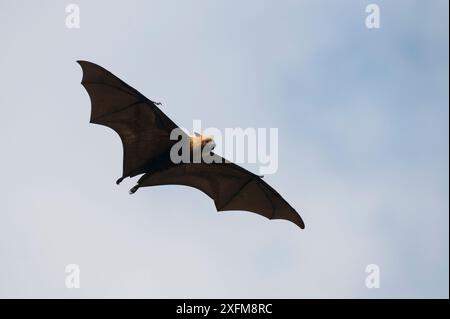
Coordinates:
[210,143]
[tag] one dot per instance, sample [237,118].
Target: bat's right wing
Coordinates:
[229,185]
[143,128]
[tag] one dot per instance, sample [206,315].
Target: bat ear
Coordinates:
[197,134]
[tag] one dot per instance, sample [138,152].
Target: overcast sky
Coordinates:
[363,128]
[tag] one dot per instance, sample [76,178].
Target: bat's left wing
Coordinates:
[229,185]
[143,128]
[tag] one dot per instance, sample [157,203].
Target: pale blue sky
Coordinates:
[363,154]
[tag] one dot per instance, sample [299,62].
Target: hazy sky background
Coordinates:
[363,153]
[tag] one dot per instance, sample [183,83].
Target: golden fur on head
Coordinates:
[198,140]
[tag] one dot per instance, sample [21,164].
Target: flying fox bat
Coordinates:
[145,133]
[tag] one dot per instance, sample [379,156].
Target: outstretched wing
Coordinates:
[143,128]
[229,185]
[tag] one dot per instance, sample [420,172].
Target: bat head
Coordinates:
[200,141]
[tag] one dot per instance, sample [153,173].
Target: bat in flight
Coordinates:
[145,133]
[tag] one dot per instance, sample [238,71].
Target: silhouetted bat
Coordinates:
[145,133]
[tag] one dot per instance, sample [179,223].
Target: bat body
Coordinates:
[145,133]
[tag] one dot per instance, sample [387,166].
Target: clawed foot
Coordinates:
[120,180]
[134,189]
